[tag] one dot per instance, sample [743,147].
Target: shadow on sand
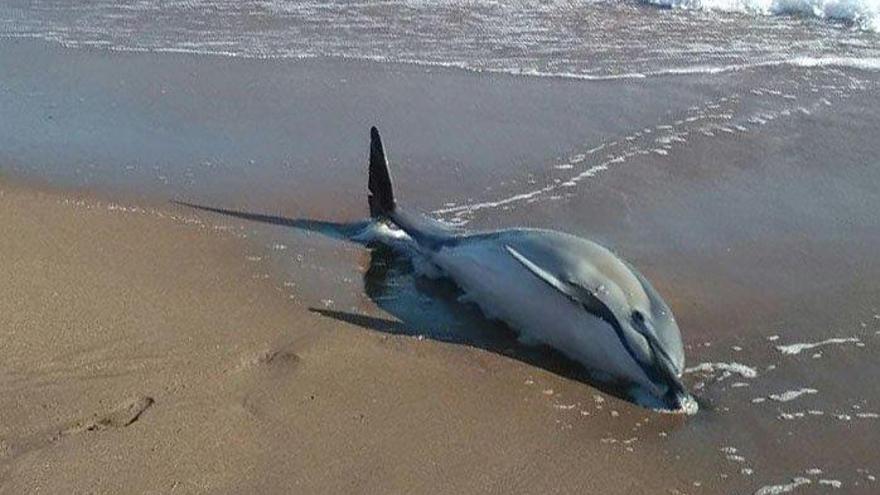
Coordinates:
[423,306]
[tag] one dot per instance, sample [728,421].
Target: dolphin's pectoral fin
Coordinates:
[548,278]
[573,290]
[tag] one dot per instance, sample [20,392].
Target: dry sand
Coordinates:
[142,356]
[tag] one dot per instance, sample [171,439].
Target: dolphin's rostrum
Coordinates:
[564,291]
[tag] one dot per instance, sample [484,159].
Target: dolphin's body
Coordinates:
[555,288]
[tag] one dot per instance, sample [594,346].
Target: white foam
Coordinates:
[783,488]
[728,368]
[831,483]
[793,349]
[860,63]
[838,416]
[790,416]
[868,63]
[689,406]
[792,394]
[862,13]
[381,232]
[494,204]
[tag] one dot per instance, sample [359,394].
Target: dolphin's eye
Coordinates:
[638,317]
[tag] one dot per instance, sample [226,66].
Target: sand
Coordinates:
[141,355]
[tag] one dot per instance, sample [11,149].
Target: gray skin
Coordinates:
[566,292]
[555,288]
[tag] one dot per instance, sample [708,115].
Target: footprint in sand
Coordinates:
[267,366]
[270,358]
[124,414]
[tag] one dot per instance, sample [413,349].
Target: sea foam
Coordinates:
[792,394]
[793,349]
[783,488]
[726,368]
[862,13]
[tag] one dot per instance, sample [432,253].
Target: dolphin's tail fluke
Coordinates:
[381,197]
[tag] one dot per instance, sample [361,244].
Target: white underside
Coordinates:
[505,290]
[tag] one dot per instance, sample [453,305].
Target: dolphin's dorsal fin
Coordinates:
[381,197]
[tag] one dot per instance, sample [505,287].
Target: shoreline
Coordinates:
[869,65]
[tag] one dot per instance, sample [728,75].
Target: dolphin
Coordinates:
[553,288]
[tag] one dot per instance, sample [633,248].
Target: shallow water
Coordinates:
[581,38]
[741,178]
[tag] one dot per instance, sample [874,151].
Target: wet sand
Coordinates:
[297,360]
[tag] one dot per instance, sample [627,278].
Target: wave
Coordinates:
[859,63]
[863,63]
[864,14]
[870,64]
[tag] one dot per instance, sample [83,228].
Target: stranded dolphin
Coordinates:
[555,288]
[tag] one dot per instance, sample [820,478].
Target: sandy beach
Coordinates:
[182,310]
